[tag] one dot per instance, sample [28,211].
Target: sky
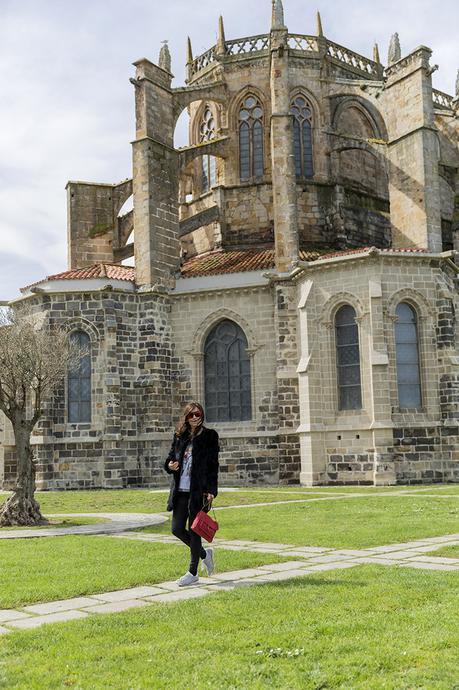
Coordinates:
[67,107]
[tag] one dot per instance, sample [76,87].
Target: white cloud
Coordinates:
[67,105]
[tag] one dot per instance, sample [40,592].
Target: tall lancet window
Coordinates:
[209,164]
[227,374]
[301,110]
[79,381]
[348,359]
[250,138]
[407,350]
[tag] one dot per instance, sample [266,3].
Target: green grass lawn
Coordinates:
[368,628]
[345,523]
[35,570]
[55,522]
[147,501]
[144,501]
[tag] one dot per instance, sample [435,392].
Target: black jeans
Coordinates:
[190,538]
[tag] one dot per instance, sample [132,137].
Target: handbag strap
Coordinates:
[209,504]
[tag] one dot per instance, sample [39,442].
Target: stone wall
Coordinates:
[381,443]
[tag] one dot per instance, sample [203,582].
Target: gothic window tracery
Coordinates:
[251,138]
[348,359]
[227,374]
[301,110]
[79,382]
[407,356]
[209,163]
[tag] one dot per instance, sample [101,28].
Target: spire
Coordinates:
[394,50]
[189,52]
[457,84]
[320,31]
[376,54]
[278,15]
[221,45]
[165,57]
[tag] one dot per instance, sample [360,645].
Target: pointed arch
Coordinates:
[303,123]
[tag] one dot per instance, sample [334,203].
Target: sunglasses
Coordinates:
[194,415]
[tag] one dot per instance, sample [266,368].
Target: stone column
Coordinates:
[282,157]
[379,393]
[311,429]
[155,178]
[413,153]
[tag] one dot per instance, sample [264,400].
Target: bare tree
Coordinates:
[34,357]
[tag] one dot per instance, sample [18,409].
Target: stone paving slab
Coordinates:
[117,606]
[338,565]
[429,566]
[306,551]
[37,621]
[278,567]
[128,594]
[222,586]
[11,615]
[182,595]
[279,577]
[235,574]
[399,555]
[62,605]
[433,547]
[436,559]
[332,558]
[378,560]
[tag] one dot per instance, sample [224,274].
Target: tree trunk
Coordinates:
[21,508]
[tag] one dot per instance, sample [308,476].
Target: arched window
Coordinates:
[250,138]
[348,359]
[301,110]
[79,381]
[407,355]
[209,164]
[227,374]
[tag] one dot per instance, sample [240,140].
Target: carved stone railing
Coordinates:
[353,60]
[252,44]
[203,61]
[442,100]
[306,44]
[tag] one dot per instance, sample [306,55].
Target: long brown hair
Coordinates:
[183,428]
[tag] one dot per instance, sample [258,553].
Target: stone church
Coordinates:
[294,271]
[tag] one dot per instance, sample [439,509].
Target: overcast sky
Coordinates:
[66,107]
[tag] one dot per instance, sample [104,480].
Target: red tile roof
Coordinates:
[110,271]
[236,261]
[213,263]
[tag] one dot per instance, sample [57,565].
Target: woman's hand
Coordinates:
[173,465]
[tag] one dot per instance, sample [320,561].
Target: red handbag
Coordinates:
[205,526]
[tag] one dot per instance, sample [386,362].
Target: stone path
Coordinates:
[118,522]
[309,559]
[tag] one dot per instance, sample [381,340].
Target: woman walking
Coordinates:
[193,463]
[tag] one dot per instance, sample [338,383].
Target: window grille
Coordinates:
[251,159]
[301,110]
[227,374]
[348,359]
[79,382]
[407,355]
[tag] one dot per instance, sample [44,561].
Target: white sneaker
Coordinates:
[208,561]
[187,579]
